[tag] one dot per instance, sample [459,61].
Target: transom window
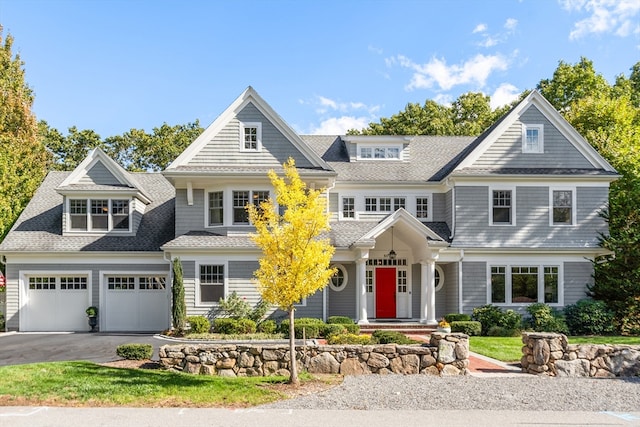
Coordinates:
[501,209]
[211,283]
[348,207]
[251,136]
[379,152]
[524,284]
[562,207]
[532,139]
[99,214]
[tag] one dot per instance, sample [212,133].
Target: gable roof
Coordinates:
[248,96]
[487,138]
[115,178]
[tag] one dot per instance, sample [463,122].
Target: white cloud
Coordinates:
[480,28]
[374,49]
[340,125]
[490,40]
[437,73]
[619,17]
[503,95]
[511,24]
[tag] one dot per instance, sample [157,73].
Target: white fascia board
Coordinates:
[401,215]
[83,258]
[533,180]
[576,254]
[377,139]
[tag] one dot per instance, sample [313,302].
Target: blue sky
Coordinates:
[324,66]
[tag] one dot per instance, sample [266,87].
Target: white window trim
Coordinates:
[441,273]
[225,292]
[227,204]
[540,128]
[345,275]
[513,206]
[258,126]
[207,212]
[373,147]
[90,230]
[429,207]
[341,208]
[508,284]
[574,210]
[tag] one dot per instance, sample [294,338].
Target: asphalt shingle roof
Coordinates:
[39,227]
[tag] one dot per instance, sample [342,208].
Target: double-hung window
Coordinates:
[532,138]
[422,207]
[348,207]
[211,283]
[501,207]
[216,208]
[562,207]
[240,201]
[524,284]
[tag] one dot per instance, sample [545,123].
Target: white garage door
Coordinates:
[136,303]
[56,303]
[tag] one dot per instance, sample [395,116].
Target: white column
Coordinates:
[428,291]
[361,281]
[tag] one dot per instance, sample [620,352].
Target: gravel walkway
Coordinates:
[421,392]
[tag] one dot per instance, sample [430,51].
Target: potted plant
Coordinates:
[92,314]
[444,326]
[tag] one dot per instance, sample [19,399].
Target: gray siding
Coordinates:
[334,203]
[189,218]
[449,292]
[224,149]
[507,150]
[100,175]
[439,207]
[474,285]
[532,227]
[577,275]
[448,208]
[240,280]
[343,303]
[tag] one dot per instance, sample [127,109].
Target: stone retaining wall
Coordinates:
[446,354]
[551,354]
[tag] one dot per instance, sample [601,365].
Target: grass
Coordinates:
[89,384]
[509,349]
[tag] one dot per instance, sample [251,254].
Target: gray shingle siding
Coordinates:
[474,285]
[190,218]
[507,150]
[577,275]
[241,280]
[343,303]
[439,207]
[100,175]
[450,289]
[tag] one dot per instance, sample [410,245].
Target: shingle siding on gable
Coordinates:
[100,175]
[532,227]
[224,148]
[506,152]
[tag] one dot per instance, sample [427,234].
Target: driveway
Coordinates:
[21,348]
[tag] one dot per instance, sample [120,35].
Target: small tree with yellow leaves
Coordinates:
[295,261]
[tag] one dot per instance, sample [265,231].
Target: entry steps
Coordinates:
[407,328]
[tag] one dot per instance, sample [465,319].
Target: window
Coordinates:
[399,202]
[152,283]
[216,208]
[339,280]
[369,281]
[241,200]
[211,283]
[383,204]
[370,204]
[73,283]
[422,207]
[348,207]
[501,212]
[121,283]
[402,280]
[438,277]
[525,284]
[42,283]
[65,283]
[562,211]
[532,139]
[99,215]
[251,136]
[379,152]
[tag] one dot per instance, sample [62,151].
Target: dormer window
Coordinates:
[251,136]
[99,215]
[370,152]
[532,139]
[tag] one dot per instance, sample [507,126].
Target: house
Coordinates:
[422,225]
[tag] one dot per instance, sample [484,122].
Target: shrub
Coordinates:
[258,311]
[470,328]
[349,339]
[234,306]
[630,322]
[352,328]
[589,317]
[511,320]
[199,324]
[310,326]
[333,329]
[267,327]
[543,318]
[488,316]
[382,336]
[342,320]
[223,325]
[457,317]
[135,351]
[245,326]
[501,331]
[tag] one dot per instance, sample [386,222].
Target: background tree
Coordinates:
[178,307]
[295,261]
[23,158]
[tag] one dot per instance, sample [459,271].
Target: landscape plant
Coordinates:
[135,351]
[589,317]
[178,307]
[544,318]
[198,325]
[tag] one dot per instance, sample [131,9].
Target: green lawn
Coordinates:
[509,349]
[88,384]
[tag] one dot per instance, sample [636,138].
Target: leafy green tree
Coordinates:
[179,307]
[23,158]
[295,261]
[68,151]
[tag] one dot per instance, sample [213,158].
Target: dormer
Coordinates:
[100,198]
[377,147]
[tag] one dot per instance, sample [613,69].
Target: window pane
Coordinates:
[531,143]
[211,283]
[152,283]
[385,204]
[498,281]
[524,284]
[562,207]
[240,201]
[348,207]
[121,283]
[550,285]
[78,214]
[366,153]
[251,138]
[73,283]
[399,202]
[100,214]
[216,210]
[370,204]
[120,212]
[502,207]
[422,207]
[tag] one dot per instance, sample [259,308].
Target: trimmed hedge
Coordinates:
[341,320]
[225,325]
[267,327]
[470,328]
[349,339]
[312,327]
[135,351]
[457,317]
[382,336]
[198,325]
[589,317]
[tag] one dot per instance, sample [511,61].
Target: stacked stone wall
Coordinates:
[551,354]
[446,354]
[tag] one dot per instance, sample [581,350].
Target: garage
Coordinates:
[56,303]
[135,303]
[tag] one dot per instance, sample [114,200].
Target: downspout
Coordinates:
[460,280]
[453,210]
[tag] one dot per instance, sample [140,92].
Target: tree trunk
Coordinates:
[292,349]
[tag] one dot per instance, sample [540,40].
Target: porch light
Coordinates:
[392,253]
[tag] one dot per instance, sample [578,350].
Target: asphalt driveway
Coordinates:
[22,348]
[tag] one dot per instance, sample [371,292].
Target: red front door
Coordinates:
[386,293]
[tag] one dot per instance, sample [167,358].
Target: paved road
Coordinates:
[22,348]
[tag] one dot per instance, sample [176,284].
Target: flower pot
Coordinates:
[93,322]
[444,330]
